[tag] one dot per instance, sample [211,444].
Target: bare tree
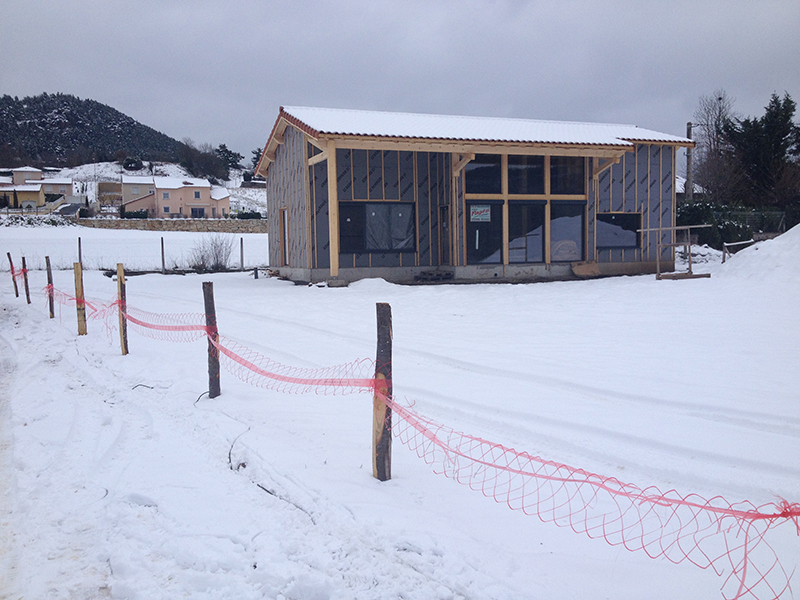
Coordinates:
[715,168]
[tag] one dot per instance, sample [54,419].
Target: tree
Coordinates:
[715,167]
[767,151]
[228,157]
[256,157]
[201,161]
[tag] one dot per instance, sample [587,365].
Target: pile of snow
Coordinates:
[776,258]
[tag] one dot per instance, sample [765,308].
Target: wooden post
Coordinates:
[163,259]
[80,302]
[123,310]
[241,253]
[213,338]
[25,280]
[255,273]
[50,287]
[80,253]
[381,413]
[14,279]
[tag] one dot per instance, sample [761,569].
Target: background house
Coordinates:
[430,196]
[174,197]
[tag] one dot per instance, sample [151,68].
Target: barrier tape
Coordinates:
[711,533]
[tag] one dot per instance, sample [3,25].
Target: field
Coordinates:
[124,480]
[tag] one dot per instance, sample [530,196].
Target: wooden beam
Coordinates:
[460,161]
[333,209]
[606,164]
[318,158]
[316,143]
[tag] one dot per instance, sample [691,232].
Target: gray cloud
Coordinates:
[217,72]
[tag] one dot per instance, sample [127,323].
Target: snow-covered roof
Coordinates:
[29,187]
[137,180]
[680,186]
[26,170]
[175,183]
[219,193]
[463,128]
[53,181]
[6,180]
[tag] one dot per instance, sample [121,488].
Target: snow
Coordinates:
[124,480]
[393,124]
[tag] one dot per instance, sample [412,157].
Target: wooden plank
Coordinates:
[333,210]
[50,299]
[123,310]
[213,339]
[13,278]
[25,280]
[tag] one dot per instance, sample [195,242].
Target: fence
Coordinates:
[730,538]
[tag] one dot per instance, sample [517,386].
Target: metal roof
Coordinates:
[333,121]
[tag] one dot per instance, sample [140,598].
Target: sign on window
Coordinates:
[480,213]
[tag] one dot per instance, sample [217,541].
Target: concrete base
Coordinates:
[474,273]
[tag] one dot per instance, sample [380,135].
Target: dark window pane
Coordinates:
[390,226]
[526,233]
[351,227]
[618,230]
[567,175]
[484,233]
[525,174]
[566,232]
[483,175]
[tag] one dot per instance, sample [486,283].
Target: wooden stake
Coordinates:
[381,413]
[25,280]
[80,253]
[163,259]
[241,254]
[123,310]
[14,279]
[213,338]
[50,287]
[80,302]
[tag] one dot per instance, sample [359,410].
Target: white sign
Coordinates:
[480,213]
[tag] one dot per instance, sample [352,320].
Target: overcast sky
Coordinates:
[217,72]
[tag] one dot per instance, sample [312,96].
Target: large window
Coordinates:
[566,231]
[567,175]
[525,174]
[618,230]
[526,232]
[484,232]
[483,174]
[377,227]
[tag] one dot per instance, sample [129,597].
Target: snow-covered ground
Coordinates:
[122,479]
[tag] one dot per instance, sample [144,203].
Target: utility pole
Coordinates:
[689,187]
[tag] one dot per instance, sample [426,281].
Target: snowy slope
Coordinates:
[126,481]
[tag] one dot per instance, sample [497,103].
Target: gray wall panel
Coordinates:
[344,175]
[617,199]
[375,161]
[391,189]
[360,175]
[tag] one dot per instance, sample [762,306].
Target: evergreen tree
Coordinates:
[228,157]
[256,157]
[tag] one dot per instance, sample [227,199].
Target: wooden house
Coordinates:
[414,197]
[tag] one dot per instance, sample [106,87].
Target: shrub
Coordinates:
[132,163]
[133,214]
[212,253]
[248,215]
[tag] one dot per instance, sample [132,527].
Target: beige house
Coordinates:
[136,187]
[27,196]
[171,197]
[22,175]
[55,186]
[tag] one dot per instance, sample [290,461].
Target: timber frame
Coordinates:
[630,177]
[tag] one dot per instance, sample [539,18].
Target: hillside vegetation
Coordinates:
[65,130]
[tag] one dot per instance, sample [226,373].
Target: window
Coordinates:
[377,227]
[198,213]
[48,188]
[566,231]
[484,232]
[483,174]
[525,174]
[197,195]
[135,189]
[165,196]
[618,230]
[166,210]
[526,232]
[567,175]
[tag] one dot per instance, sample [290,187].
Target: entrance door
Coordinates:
[484,233]
[444,235]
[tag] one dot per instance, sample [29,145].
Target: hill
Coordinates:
[65,130]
